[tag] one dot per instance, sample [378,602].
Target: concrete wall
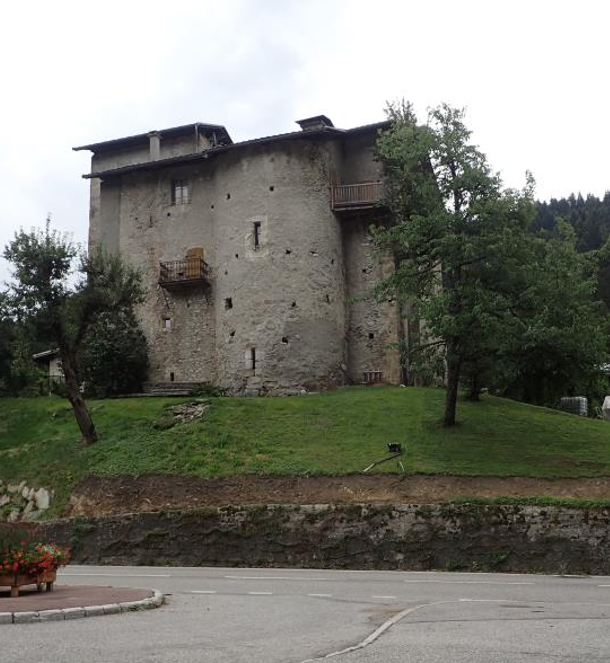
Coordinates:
[174,146]
[116,158]
[110,194]
[170,146]
[359,161]
[291,296]
[511,538]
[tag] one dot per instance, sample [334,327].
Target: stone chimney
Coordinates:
[154,138]
[315,123]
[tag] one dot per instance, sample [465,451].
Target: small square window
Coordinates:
[181,192]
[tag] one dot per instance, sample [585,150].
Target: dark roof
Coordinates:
[199,156]
[142,139]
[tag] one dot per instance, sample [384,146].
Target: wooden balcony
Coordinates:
[361,196]
[183,273]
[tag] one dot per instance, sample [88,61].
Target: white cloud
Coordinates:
[532,76]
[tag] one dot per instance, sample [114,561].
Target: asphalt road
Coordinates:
[290,616]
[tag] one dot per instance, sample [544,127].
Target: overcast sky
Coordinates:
[533,76]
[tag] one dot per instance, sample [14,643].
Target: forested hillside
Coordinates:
[590,219]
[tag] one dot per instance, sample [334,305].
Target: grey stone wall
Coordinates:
[291,300]
[180,327]
[372,327]
[469,537]
[288,296]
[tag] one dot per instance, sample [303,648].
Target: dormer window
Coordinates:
[181,192]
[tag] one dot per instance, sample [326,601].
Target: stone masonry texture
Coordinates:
[300,302]
[512,538]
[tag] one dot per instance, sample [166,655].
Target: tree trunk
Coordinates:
[453,380]
[83,418]
[414,339]
[474,388]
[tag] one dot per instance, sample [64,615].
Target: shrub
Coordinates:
[114,358]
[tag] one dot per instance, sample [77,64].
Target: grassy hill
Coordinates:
[339,432]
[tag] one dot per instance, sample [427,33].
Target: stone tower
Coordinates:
[256,255]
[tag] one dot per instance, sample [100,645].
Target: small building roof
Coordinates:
[142,139]
[45,354]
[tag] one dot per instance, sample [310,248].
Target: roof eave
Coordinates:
[197,156]
[143,138]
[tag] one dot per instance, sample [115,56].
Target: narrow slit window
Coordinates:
[181,192]
[228,303]
[257,234]
[253,360]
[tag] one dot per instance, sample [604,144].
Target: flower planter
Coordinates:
[42,580]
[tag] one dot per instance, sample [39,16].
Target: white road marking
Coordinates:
[324,596]
[463,582]
[117,575]
[496,601]
[401,615]
[383,597]
[371,638]
[272,578]
[260,593]
[203,591]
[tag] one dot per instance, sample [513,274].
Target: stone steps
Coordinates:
[169,388]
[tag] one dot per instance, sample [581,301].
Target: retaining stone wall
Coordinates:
[469,537]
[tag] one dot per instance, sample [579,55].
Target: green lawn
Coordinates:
[339,432]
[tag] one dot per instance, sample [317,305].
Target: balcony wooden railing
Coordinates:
[190,271]
[363,195]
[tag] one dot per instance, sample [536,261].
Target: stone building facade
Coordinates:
[256,255]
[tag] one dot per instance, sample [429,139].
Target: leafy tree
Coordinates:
[19,375]
[44,289]
[458,238]
[560,340]
[114,358]
[6,349]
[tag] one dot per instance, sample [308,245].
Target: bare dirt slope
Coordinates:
[97,496]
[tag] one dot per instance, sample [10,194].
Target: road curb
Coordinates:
[29,617]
